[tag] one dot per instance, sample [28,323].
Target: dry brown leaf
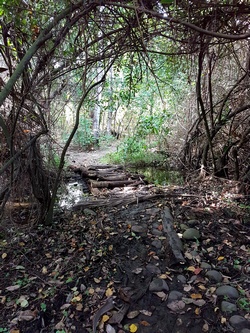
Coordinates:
[196,296]
[144,323]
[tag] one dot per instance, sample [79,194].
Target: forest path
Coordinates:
[84,158]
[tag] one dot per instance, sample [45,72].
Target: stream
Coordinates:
[75,189]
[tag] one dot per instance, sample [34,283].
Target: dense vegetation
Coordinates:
[170,75]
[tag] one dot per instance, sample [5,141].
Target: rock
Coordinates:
[157,243]
[182,278]
[239,322]
[153,269]
[183,226]
[89,212]
[245,330]
[192,222]
[140,229]
[156,232]
[227,291]
[214,275]
[191,234]
[205,265]
[174,295]
[228,307]
[158,285]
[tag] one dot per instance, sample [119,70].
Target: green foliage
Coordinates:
[244,304]
[151,125]
[4,329]
[43,307]
[135,151]
[84,137]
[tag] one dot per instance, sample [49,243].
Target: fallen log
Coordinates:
[114,201]
[114,183]
[173,239]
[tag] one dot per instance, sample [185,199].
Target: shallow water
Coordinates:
[159,176]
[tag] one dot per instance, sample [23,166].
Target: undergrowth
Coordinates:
[135,152]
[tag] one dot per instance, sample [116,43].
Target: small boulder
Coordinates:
[158,285]
[214,275]
[191,234]
[228,291]
[228,307]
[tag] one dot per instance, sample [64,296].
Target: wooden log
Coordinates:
[173,239]
[112,184]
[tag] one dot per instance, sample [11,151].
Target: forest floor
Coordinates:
[111,269]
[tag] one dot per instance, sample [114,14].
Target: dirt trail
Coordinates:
[78,157]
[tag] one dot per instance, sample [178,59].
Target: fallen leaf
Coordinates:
[199,302]
[137,270]
[195,296]
[27,315]
[79,307]
[146,313]
[202,287]
[220,258]
[91,291]
[24,303]
[44,270]
[191,268]
[105,318]
[4,255]
[176,306]
[65,306]
[133,314]
[109,292]
[60,325]
[188,287]
[12,288]
[162,295]
[197,311]
[144,323]
[133,328]
[205,328]
[110,329]
[197,270]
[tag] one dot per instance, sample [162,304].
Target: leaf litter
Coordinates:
[59,277]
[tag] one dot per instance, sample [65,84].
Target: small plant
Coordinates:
[4,329]
[244,304]
[43,307]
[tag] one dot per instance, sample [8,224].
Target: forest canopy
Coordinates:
[176,70]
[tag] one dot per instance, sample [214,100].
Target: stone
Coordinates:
[140,229]
[156,232]
[191,234]
[214,275]
[153,269]
[245,330]
[183,226]
[205,265]
[192,223]
[157,243]
[239,322]
[174,295]
[181,278]
[158,285]
[228,307]
[228,291]
[89,212]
